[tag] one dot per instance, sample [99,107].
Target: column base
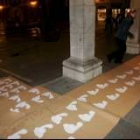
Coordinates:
[133,48]
[82,72]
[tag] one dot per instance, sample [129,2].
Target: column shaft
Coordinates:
[82,64]
[133,45]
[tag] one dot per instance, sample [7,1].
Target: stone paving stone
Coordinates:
[124,130]
[133,117]
[138,106]
[62,85]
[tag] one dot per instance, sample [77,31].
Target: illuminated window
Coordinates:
[101,14]
[1,7]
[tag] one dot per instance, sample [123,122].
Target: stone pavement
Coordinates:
[36,63]
[24,108]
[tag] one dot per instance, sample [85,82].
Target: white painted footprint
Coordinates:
[102,86]
[71,128]
[22,87]
[7,80]
[23,105]
[136,78]
[3,89]
[113,97]
[131,83]
[40,131]
[58,118]
[93,92]
[101,105]
[15,90]
[83,98]
[18,134]
[87,117]
[37,99]
[121,76]
[121,90]
[136,68]
[10,86]
[48,95]
[113,81]
[6,94]
[16,83]
[14,110]
[34,90]
[130,72]
[71,138]
[15,98]
[72,106]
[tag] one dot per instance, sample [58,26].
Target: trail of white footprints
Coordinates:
[115,96]
[72,128]
[36,99]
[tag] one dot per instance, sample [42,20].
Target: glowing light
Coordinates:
[1,7]
[33,3]
[100,1]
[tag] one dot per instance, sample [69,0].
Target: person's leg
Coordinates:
[121,51]
[114,54]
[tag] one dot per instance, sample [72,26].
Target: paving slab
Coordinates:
[62,85]
[124,130]
[138,106]
[133,116]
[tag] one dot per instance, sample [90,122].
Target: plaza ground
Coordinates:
[35,62]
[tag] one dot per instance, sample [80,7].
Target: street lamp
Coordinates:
[33,3]
[1,7]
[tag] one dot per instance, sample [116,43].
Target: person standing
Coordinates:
[118,20]
[121,36]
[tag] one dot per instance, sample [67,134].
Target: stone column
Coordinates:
[82,64]
[133,45]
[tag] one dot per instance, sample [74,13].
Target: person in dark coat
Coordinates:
[118,20]
[121,36]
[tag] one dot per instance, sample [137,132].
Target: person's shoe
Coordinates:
[109,59]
